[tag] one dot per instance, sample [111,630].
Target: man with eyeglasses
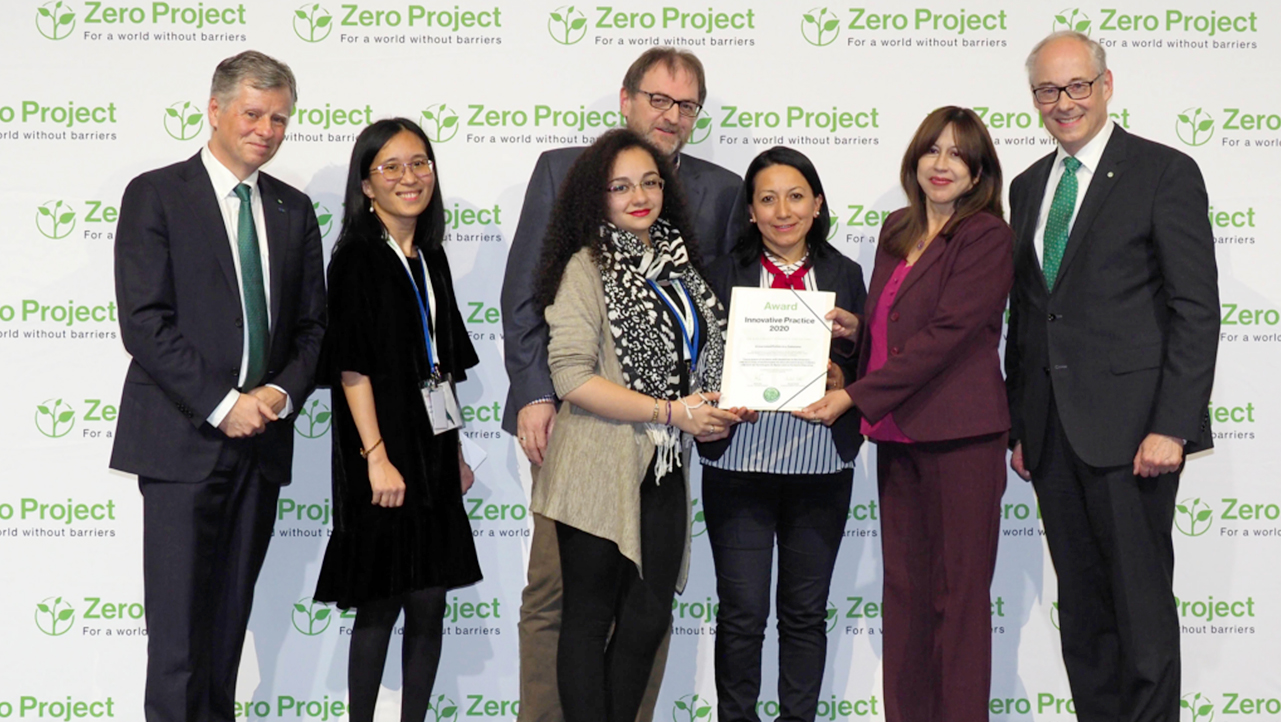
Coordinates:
[662,95]
[1114,323]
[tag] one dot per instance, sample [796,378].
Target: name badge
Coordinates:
[442,405]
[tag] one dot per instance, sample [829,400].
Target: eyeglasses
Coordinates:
[395,170]
[687,108]
[624,188]
[1080,90]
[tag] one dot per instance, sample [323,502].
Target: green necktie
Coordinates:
[255,296]
[1056,226]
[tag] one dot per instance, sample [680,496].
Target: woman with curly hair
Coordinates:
[635,351]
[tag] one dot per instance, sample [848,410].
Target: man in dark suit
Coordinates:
[662,94]
[220,284]
[1114,322]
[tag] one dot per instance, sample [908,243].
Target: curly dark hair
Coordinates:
[581,208]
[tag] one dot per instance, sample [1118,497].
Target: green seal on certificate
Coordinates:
[771,395]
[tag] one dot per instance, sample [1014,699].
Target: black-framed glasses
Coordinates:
[1079,90]
[687,108]
[625,188]
[395,170]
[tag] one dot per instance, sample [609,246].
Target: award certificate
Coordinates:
[777,349]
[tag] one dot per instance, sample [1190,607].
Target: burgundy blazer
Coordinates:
[942,378]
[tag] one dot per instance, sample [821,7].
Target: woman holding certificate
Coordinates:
[781,479]
[635,352]
[932,397]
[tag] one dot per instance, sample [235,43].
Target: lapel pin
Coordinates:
[1110,174]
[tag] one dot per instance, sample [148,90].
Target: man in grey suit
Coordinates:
[1114,326]
[662,94]
[220,283]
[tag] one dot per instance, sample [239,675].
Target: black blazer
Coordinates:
[832,272]
[1125,344]
[180,319]
[714,198]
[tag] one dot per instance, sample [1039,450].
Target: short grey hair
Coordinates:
[261,71]
[1097,53]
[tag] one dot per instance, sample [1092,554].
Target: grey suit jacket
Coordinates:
[714,200]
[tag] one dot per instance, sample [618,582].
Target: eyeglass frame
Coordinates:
[630,186]
[1060,89]
[680,104]
[431,169]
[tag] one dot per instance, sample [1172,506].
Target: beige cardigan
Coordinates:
[592,473]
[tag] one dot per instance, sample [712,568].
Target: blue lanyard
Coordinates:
[424,304]
[691,340]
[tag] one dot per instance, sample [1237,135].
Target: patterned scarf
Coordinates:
[645,336]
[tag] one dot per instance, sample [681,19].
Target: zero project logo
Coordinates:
[313,23]
[1194,127]
[819,27]
[697,520]
[1196,707]
[55,19]
[324,218]
[702,129]
[53,617]
[183,123]
[567,25]
[53,419]
[54,220]
[311,617]
[314,419]
[833,616]
[442,708]
[1071,19]
[691,707]
[440,122]
[1193,519]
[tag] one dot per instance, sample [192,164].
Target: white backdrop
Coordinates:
[92,95]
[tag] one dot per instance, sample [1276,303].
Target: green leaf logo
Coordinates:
[442,708]
[55,220]
[567,25]
[1194,518]
[691,707]
[697,520]
[819,27]
[53,617]
[324,218]
[311,617]
[1194,127]
[440,123]
[183,123]
[1054,615]
[313,23]
[314,419]
[835,226]
[1071,19]
[55,19]
[54,419]
[701,130]
[833,617]
[1196,708]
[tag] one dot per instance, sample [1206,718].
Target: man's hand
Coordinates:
[249,417]
[272,397]
[1158,454]
[827,409]
[1016,462]
[534,425]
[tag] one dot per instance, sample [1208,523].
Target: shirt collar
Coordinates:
[1092,153]
[223,180]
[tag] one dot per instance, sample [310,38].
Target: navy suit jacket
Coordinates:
[714,199]
[1125,344]
[180,319]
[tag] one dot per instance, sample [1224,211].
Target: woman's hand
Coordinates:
[465,473]
[386,482]
[844,323]
[827,409]
[706,419]
[835,377]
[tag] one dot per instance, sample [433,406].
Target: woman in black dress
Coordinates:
[394,346]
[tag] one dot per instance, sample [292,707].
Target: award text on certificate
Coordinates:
[777,350]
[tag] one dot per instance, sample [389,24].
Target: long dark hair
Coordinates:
[359,221]
[581,208]
[750,244]
[976,149]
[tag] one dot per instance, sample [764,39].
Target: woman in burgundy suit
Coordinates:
[932,397]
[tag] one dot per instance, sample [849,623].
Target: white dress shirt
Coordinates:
[1089,156]
[224,185]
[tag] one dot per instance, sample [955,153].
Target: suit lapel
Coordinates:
[1025,233]
[693,189]
[931,256]
[276,217]
[1101,184]
[204,204]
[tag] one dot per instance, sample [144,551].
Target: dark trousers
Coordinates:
[1109,538]
[745,513]
[940,521]
[603,675]
[203,545]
